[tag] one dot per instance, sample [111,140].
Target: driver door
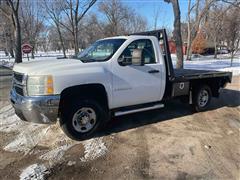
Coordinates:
[134,84]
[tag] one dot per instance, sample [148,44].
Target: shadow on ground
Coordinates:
[173,109]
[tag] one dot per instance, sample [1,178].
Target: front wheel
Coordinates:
[82,119]
[201,98]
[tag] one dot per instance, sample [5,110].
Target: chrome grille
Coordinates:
[18,78]
[18,83]
[19,90]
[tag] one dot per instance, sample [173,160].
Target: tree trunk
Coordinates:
[76,46]
[215,49]
[11,46]
[32,52]
[6,52]
[11,52]
[177,33]
[232,55]
[18,48]
[189,43]
[189,52]
[61,41]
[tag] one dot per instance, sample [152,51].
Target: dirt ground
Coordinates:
[170,143]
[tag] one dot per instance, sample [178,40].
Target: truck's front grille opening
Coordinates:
[18,83]
[18,77]
[19,90]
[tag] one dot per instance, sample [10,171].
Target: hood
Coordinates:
[50,66]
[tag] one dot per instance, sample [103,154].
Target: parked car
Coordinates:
[113,77]
[223,51]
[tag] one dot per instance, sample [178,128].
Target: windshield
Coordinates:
[101,50]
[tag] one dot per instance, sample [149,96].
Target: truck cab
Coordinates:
[113,77]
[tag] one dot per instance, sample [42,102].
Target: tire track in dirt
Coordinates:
[142,160]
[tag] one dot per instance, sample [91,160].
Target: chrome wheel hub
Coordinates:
[203,98]
[84,119]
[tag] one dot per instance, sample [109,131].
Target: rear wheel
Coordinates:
[201,98]
[82,119]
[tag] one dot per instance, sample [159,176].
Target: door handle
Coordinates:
[153,71]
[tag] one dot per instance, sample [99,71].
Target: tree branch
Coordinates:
[86,10]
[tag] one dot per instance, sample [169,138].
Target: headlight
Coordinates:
[39,85]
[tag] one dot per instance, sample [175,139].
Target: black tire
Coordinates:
[67,122]
[198,104]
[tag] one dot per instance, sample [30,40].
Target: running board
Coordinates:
[157,106]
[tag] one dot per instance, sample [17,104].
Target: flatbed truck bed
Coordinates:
[188,74]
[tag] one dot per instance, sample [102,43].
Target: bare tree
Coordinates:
[135,23]
[232,30]
[92,30]
[156,16]
[194,25]
[121,19]
[75,11]
[200,10]
[235,3]
[214,26]
[54,11]
[6,35]
[11,9]
[177,32]
[32,23]
[116,14]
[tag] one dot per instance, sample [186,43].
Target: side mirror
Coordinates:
[137,59]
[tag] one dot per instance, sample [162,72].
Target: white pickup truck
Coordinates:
[113,77]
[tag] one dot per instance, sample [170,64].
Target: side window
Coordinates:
[147,50]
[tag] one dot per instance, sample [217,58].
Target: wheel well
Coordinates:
[214,84]
[91,91]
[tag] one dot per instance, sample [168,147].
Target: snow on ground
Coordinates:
[29,135]
[35,171]
[9,121]
[55,155]
[94,148]
[27,139]
[209,63]
[42,54]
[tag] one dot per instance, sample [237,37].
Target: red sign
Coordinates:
[26,48]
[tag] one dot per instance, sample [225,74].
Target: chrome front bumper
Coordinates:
[39,109]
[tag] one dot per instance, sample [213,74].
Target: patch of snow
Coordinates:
[55,155]
[6,64]
[8,120]
[235,70]
[27,139]
[11,124]
[71,163]
[223,63]
[5,108]
[94,148]
[35,171]
[30,135]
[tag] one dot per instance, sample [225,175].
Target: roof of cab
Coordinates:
[128,37]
